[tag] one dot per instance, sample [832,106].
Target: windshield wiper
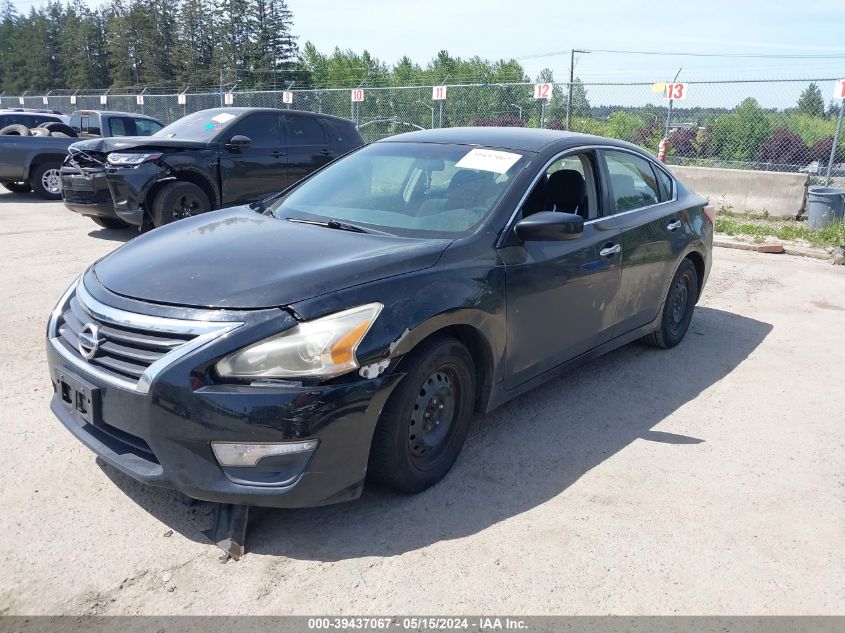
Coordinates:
[337,224]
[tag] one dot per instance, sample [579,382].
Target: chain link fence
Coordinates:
[783,125]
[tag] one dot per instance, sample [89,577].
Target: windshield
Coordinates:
[199,126]
[408,189]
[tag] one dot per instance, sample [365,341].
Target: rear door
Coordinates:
[654,234]
[308,146]
[561,296]
[261,169]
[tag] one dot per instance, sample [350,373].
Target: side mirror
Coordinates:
[549,226]
[239,141]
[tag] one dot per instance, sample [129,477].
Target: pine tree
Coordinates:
[811,101]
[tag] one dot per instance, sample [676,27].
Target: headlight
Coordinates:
[321,348]
[123,158]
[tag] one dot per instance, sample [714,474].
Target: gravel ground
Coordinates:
[708,479]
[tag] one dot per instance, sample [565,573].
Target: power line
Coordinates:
[683,54]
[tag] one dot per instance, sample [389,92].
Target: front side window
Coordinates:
[408,189]
[118,127]
[263,129]
[632,181]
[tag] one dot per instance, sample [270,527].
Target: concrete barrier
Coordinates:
[746,191]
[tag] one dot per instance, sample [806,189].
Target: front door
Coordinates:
[561,296]
[255,172]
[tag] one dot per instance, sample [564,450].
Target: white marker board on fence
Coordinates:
[287,97]
[181,99]
[72,99]
[839,90]
[20,100]
[438,93]
[139,99]
[543,91]
[357,95]
[45,101]
[229,98]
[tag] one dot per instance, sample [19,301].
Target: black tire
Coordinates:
[677,309]
[17,187]
[16,129]
[58,126]
[178,200]
[109,223]
[46,180]
[426,420]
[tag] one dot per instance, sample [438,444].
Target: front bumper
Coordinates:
[163,437]
[88,193]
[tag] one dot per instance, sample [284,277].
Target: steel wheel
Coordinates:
[432,417]
[677,308]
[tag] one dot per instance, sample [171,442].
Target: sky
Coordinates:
[540,34]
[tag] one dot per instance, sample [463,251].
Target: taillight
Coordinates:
[710,212]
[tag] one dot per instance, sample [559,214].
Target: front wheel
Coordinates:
[178,200]
[17,187]
[46,181]
[426,420]
[677,309]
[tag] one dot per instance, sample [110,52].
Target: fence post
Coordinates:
[835,142]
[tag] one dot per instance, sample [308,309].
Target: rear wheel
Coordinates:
[178,200]
[424,424]
[677,309]
[109,223]
[46,180]
[17,187]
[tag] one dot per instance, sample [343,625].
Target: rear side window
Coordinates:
[89,124]
[145,127]
[666,184]
[118,127]
[632,181]
[305,131]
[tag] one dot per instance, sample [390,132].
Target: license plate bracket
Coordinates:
[79,395]
[81,183]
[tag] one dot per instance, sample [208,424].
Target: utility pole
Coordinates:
[571,83]
[671,101]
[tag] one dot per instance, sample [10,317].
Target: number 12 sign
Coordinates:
[675,91]
[543,91]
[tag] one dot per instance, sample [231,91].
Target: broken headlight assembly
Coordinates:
[322,348]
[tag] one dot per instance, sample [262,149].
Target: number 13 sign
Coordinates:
[675,91]
[839,91]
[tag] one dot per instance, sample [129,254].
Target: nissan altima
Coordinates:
[283,352]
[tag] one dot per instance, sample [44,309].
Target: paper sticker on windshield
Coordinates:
[223,117]
[488,160]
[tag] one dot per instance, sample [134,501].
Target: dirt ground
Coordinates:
[708,479]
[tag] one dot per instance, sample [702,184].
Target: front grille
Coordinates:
[126,349]
[124,352]
[102,196]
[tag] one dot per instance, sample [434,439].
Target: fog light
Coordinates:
[248,455]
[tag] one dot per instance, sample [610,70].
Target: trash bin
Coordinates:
[826,205]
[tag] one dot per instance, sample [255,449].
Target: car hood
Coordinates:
[117,143]
[239,258]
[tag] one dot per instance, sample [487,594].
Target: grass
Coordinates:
[761,227]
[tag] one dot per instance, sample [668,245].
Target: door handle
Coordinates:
[277,154]
[612,249]
[674,225]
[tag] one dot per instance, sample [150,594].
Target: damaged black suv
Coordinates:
[206,160]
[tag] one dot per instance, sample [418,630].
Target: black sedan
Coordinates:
[278,353]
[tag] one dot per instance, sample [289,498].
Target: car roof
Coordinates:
[116,113]
[241,110]
[516,138]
